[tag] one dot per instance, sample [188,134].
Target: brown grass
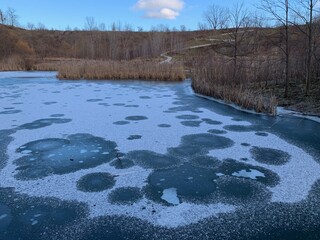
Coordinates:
[13,63]
[135,70]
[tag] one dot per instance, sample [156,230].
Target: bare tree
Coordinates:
[2,18]
[41,26]
[202,26]
[90,24]
[12,17]
[30,26]
[216,17]
[183,28]
[102,27]
[239,23]
[279,11]
[304,10]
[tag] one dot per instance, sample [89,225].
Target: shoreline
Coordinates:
[281,111]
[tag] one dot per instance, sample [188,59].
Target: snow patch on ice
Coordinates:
[170,196]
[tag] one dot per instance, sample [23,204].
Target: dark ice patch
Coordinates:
[35,216]
[240,191]
[61,156]
[94,100]
[191,123]
[46,122]
[7,112]
[216,131]
[125,195]
[121,123]
[122,163]
[261,134]
[49,103]
[205,161]
[152,160]
[134,137]
[270,156]
[136,118]
[96,182]
[193,184]
[187,117]
[230,167]
[211,122]
[56,115]
[164,125]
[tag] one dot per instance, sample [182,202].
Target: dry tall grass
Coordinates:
[114,70]
[13,63]
[215,79]
[135,70]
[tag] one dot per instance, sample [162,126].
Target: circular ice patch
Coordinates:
[187,117]
[96,182]
[125,196]
[43,145]
[215,131]
[56,115]
[245,144]
[205,161]
[191,123]
[121,123]
[94,100]
[148,159]
[41,123]
[164,125]
[197,144]
[60,156]
[261,134]
[269,156]
[211,122]
[207,141]
[191,183]
[237,191]
[10,112]
[136,118]
[134,137]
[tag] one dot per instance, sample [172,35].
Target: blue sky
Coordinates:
[59,14]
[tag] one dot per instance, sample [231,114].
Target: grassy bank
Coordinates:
[217,79]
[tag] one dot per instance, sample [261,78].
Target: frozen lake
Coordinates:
[143,160]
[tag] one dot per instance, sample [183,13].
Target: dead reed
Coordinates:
[116,70]
[13,63]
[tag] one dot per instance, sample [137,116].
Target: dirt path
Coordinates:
[168,58]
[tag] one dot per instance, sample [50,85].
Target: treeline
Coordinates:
[103,45]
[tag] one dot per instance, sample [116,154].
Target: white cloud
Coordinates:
[165,13]
[166,9]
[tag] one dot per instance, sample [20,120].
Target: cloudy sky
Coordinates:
[59,14]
